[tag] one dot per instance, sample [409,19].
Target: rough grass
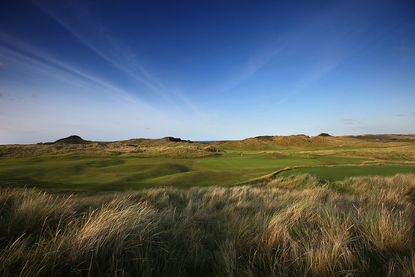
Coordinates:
[296,226]
[144,147]
[336,173]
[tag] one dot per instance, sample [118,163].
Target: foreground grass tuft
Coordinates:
[295,226]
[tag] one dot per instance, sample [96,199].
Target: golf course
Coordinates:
[76,165]
[262,206]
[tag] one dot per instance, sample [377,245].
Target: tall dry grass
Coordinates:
[290,227]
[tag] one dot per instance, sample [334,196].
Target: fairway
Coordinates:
[134,172]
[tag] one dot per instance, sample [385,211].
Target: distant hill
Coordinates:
[167,146]
[72,140]
[277,142]
[173,139]
[177,147]
[386,137]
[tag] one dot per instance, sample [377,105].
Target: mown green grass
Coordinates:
[124,172]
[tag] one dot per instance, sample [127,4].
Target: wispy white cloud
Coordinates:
[77,19]
[89,31]
[254,64]
[30,59]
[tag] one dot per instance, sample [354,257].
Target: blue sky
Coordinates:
[205,70]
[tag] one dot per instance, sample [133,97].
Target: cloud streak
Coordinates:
[105,46]
[29,59]
[83,25]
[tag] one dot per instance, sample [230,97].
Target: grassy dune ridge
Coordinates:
[291,226]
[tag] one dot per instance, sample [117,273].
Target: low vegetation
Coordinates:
[292,226]
[165,147]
